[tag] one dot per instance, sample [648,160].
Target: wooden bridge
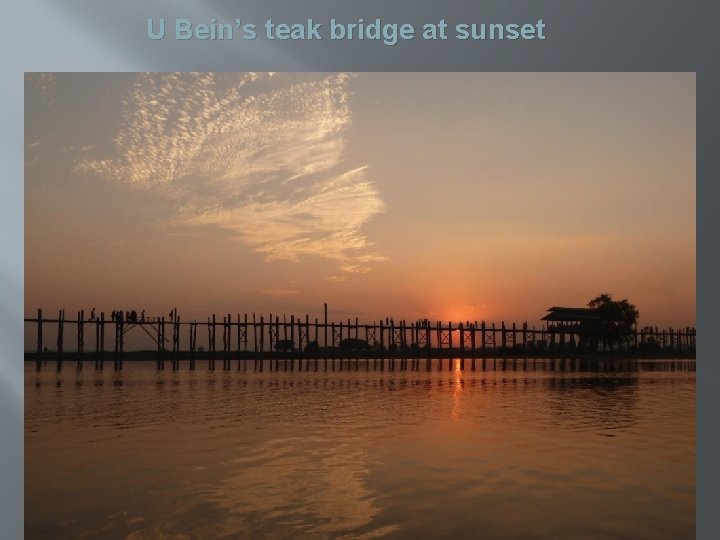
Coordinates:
[259,338]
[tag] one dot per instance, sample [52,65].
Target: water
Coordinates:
[518,450]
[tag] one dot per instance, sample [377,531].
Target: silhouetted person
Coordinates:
[92,314]
[142,316]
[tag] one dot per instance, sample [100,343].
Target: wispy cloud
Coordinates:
[43,84]
[78,149]
[260,156]
[279,293]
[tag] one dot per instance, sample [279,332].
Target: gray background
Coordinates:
[589,35]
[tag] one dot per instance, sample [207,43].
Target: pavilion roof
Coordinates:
[562,314]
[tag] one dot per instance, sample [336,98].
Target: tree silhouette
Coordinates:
[617,319]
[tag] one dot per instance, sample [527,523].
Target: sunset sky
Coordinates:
[442,196]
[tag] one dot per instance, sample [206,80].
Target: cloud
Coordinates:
[260,156]
[43,84]
[78,149]
[279,293]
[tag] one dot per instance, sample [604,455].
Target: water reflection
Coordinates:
[362,452]
[324,489]
[458,384]
[599,403]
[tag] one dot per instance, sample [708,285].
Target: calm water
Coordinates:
[494,453]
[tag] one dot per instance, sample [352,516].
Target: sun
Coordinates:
[465,312]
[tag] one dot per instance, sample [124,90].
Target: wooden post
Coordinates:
[292,329]
[102,340]
[39,343]
[117,340]
[214,322]
[262,334]
[255,337]
[97,342]
[161,343]
[307,330]
[162,334]
[461,331]
[240,338]
[38,358]
[61,316]
[122,343]
[229,338]
[325,326]
[245,319]
[225,342]
[80,325]
[693,339]
[274,332]
[177,341]
[450,340]
[61,320]
[224,337]
[191,346]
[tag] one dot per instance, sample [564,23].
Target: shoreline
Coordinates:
[479,354]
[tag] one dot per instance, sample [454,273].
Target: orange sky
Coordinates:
[452,196]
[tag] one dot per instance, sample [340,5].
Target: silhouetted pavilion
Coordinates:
[573,321]
[571,317]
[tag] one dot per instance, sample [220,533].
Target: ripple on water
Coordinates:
[360,454]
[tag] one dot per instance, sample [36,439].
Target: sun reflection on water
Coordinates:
[458,386]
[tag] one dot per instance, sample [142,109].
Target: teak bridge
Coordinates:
[257,338]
